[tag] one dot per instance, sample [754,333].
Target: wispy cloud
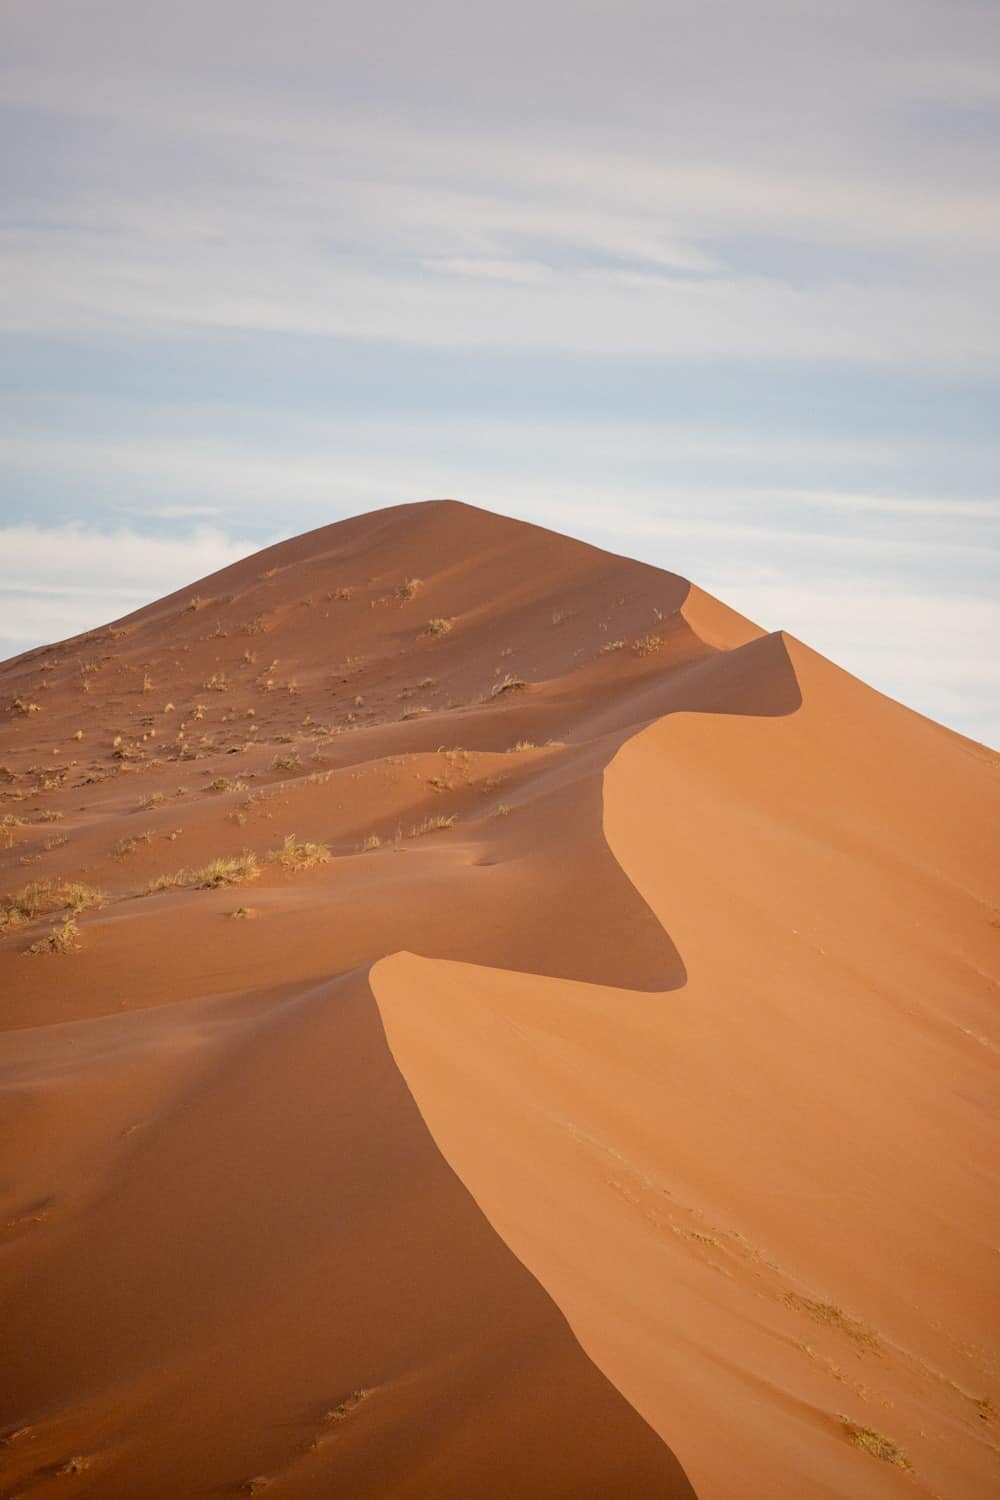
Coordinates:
[58,581]
[715,284]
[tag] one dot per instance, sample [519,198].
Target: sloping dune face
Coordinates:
[481,1018]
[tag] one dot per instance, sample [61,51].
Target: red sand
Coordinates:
[637,1122]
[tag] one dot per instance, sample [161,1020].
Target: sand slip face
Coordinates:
[663,1125]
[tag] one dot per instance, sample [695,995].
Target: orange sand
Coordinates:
[632,1132]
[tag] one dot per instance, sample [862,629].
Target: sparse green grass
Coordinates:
[293,855]
[875,1443]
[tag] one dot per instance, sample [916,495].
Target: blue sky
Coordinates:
[712,284]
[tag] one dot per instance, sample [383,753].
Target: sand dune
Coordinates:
[597,1096]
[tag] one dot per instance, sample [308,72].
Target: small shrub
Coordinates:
[438,626]
[408,589]
[285,763]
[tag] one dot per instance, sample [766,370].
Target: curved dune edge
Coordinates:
[233,1239]
[707,940]
[834,1020]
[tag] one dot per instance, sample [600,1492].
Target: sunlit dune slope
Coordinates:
[498,1024]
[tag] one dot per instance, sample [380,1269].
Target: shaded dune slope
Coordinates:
[681,942]
[260,1268]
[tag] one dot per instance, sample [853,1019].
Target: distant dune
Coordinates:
[480,1019]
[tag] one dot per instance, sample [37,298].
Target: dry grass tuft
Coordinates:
[508,685]
[879,1446]
[75,1465]
[244,913]
[61,939]
[223,784]
[612,646]
[7,825]
[373,841]
[239,869]
[646,645]
[408,589]
[344,1408]
[285,763]
[127,846]
[833,1317]
[293,855]
[438,626]
[217,683]
[524,745]
[435,824]
[42,897]
[24,706]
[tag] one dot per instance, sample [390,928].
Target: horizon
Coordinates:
[711,287]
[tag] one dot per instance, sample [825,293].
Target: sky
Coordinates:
[713,283]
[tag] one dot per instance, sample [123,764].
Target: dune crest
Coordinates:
[481,1017]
